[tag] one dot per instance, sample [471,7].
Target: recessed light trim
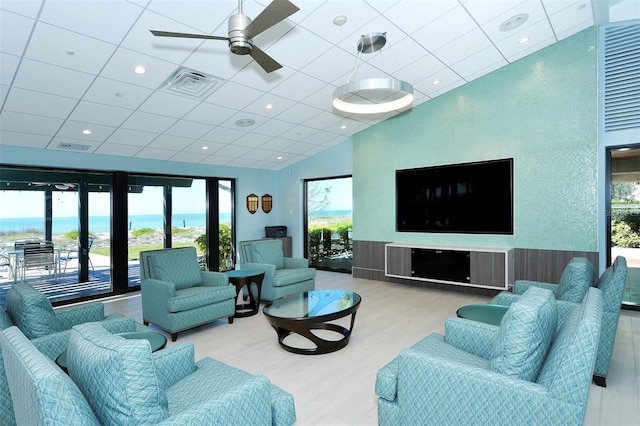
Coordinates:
[269,106]
[205,147]
[523,40]
[86,132]
[340,20]
[279,157]
[139,69]
[435,82]
[245,122]
[514,22]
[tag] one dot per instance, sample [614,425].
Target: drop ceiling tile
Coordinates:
[331,65]
[572,17]
[254,76]
[223,135]
[209,15]
[28,123]
[260,154]
[277,144]
[321,20]
[120,16]
[14,32]
[52,79]
[323,120]
[21,7]
[416,71]
[232,95]
[146,122]
[168,104]
[38,103]
[67,49]
[321,98]
[91,112]
[484,11]
[131,137]
[273,128]
[459,49]
[8,67]
[299,114]
[540,35]
[4,91]
[534,10]
[479,63]
[298,148]
[27,140]
[561,35]
[555,6]
[298,133]
[321,137]
[210,114]
[278,104]
[416,14]
[216,160]
[155,153]
[251,140]
[394,57]
[116,149]
[314,150]
[292,54]
[116,93]
[120,67]
[189,157]
[233,151]
[197,147]
[240,162]
[448,27]
[298,87]
[214,57]
[73,129]
[174,143]
[189,129]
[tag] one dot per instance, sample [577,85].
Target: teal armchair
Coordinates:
[611,282]
[113,381]
[282,275]
[523,372]
[177,295]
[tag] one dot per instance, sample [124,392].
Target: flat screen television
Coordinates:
[469,198]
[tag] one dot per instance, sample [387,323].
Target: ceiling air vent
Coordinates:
[190,83]
[73,146]
[622,77]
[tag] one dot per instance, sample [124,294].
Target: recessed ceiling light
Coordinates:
[70,52]
[514,22]
[269,106]
[279,157]
[344,126]
[139,69]
[86,132]
[245,122]
[205,147]
[340,20]
[523,40]
[436,82]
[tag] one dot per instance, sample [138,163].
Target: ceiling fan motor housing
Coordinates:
[239,43]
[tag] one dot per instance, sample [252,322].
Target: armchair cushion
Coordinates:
[269,252]
[196,297]
[525,335]
[576,279]
[285,277]
[31,311]
[116,376]
[179,267]
[5,320]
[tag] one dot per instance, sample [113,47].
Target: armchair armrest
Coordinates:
[156,292]
[268,269]
[214,279]
[454,393]
[174,364]
[68,317]
[504,298]
[231,407]
[474,337]
[520,286]
[295,263]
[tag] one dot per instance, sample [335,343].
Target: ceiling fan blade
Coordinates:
[265,61]
[186,35]
[278,10]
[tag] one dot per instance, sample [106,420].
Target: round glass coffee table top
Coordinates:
[300,313]
[157,341]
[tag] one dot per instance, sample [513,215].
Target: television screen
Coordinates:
[470,198]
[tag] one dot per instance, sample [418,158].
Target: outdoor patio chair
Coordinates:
[39,257]
[74,255]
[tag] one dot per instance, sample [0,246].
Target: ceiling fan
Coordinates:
[242,30]
[62,186]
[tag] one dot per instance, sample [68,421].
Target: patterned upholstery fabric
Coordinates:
[43,394]
[438,383]
[175,307]
[269,252]
[179,267]
[5,320]
[116,376]
[294,276]
[525,335]
[31,311]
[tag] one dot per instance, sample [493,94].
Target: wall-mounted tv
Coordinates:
[469,198]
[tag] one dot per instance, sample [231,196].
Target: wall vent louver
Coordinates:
[190,83]
[621,78]
[73,146]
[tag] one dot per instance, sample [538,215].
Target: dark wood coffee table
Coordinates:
[301,313]
[246,277]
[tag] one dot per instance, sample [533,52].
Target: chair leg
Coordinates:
[174,337]
[230,320]
[600,380]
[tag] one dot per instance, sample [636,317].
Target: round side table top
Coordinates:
[243,273]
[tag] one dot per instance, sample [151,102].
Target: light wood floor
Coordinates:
[338,388]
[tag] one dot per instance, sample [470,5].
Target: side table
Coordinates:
[487,313]
[246,277]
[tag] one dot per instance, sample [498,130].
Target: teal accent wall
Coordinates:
[541,110]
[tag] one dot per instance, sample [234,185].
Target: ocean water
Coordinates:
[99,224]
